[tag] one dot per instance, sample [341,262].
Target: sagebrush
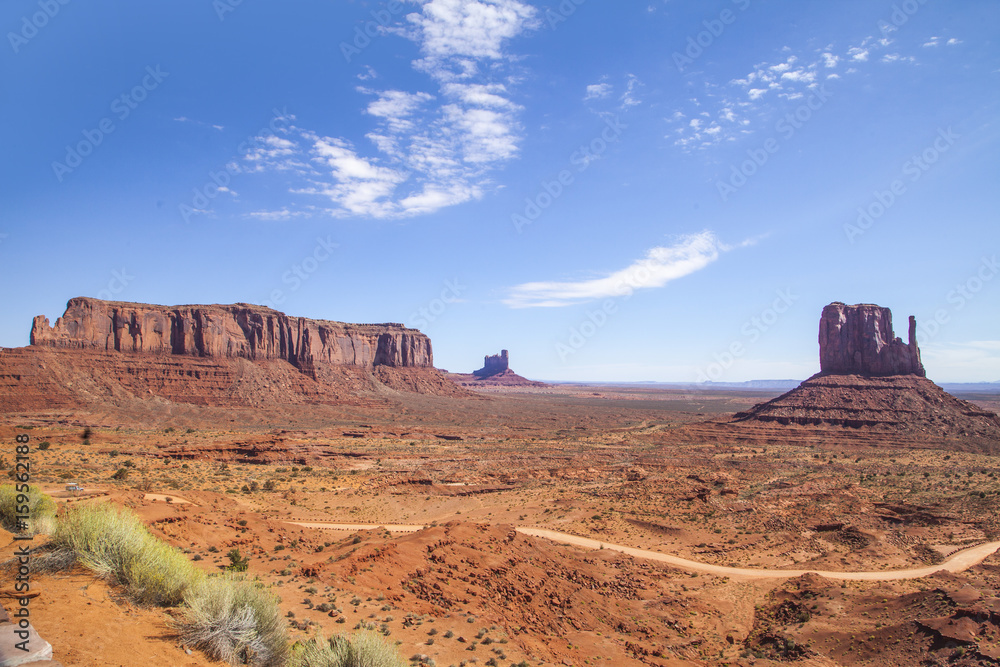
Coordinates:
[40,509]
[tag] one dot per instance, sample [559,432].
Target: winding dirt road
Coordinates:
[958,562]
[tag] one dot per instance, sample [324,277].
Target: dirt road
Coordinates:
[958,562]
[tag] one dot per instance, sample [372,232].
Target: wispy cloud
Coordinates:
[432,148]
[185,119]
[630,97]
[598,91]
[726,112]
[658,267]
[858,54]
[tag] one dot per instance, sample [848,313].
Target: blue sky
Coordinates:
[656,190]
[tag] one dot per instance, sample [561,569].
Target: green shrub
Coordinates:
[113,542]
[364,649]
[236,620]
[237,561]
[41,510]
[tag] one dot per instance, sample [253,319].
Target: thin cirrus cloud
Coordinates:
[429,149]
[728,111]
[660,265]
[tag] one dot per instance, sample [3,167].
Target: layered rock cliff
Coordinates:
[109,354]
[243,331]
[859,340]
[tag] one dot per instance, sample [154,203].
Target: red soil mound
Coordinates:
[552,600]
[905,405]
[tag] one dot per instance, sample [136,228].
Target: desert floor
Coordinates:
[464,529]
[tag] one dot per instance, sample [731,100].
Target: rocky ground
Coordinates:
[633,466]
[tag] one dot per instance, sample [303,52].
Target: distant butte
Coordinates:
[495,372]
[493,365]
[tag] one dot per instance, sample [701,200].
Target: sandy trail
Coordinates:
[176,500]
[959,561]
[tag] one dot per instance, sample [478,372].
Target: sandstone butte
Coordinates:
[495,373]
[871,381]
[235,354]
[860,340]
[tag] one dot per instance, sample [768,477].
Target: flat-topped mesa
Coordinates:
[230,331]
[493,365]
[859,340]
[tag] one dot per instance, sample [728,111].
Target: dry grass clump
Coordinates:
[364,649]
[236,620]
[114,543]
[37,506]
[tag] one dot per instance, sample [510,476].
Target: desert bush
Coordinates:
[113,542]
[237,561]
[41,510]
[364,649]
[236,620]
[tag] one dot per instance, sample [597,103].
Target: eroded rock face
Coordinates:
[859,340]
[231,331]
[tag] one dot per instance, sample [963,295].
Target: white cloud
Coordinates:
[454,34]
[660,266]
[933,41]
[281,214]
[598,91]
[954,42]
[431,149]
[629,98]
[744,103]
[185,119]
[799,76]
